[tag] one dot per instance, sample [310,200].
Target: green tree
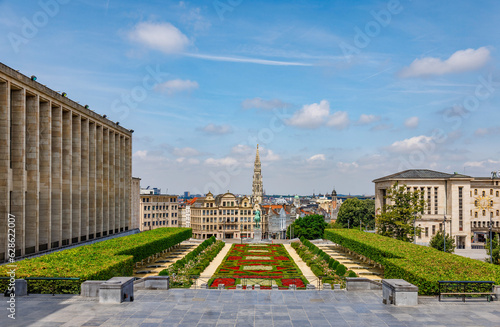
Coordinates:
[355,212]
[311,227]
[437,242]
[496,249]
[398,214]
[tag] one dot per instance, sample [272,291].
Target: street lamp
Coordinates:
[415,228]
[491,238]
[444,233]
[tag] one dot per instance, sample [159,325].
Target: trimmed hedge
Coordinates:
[98,261]
[420,265]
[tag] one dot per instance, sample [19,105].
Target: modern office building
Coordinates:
[65,171]
[158,210]
[465,205]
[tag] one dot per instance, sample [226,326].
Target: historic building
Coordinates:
[65,171]
[465,205]
[257,188]
[158,210]
[278,219]
[224,216]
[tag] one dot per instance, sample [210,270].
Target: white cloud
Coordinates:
[269,155]
[160,36]
[460,61]
[227,161]
[367,119]
[242,149]
[185,152]
[176,85]
[246,60]
[213,129]
[339,120]
[482,164]
[316,158]
[412,122]
[141,154]
[258,103]
[487,131]
[190,161]
[311,115]
[411,144]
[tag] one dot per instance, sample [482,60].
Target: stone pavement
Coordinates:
[203,308]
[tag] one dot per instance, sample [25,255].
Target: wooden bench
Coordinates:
[465,288]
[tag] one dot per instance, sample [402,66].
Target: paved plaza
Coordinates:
[203,308]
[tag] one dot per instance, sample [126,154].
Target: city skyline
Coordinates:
[335,95]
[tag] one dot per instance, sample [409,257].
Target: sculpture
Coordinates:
[256,218]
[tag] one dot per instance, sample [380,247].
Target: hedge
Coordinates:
[98,261]
[420,265]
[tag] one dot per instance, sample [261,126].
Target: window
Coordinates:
[433,229]
[475,214]
[435,200]
[484,214]
[498,213]
[426,231]
[491,191]
[475,192]
[145,224]
[498,193]
[484,193]
[475,204]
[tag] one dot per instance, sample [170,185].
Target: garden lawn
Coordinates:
[263,264]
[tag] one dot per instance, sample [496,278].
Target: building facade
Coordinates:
[463,205]
[65,171]
[158,210]
[224,216]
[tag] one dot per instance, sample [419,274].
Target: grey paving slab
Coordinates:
[257,308]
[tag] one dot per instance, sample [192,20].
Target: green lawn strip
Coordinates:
[322,264]
[193,264]
[98,261]
[420,265]
[274,264]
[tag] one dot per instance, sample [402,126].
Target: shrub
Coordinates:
[420,265]
[351,274]
[341,270]
[98,261]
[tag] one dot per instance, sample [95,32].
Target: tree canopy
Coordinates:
[311,227]
[437,242]
[398,214]
[355,212]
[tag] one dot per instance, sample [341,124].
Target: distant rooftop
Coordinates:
[421,174]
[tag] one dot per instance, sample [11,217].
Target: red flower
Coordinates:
[289,281]
[234,258]
[282,258]
[225,281]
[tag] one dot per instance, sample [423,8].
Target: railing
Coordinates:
[231,282]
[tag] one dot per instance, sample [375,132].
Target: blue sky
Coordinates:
[336,93]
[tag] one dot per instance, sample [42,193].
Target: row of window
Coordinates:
[484,213]
[224,204]
[226,212]
[147,200]
[160,223]
[228,219]
[164,207]
[484,224]
[160,215]
[228,227]
[484,192]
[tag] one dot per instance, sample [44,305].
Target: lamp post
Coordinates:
[444,233]
[491,238]
[348,223]
[415,228]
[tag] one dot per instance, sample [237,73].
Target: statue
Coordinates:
[256,218]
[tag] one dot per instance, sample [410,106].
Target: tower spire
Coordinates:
[257,187]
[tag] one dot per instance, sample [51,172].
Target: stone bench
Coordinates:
[117,290]
[361,284]
[90,288]
[399,292]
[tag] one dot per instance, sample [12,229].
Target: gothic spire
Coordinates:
[257,188]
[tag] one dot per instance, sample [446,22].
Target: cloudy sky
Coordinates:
[336,93]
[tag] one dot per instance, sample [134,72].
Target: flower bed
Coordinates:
[420,265]
[258,264]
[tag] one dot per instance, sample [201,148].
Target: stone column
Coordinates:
[76,179]
[45,175]
[4,165]
[128,184]
[123,201]
[67,177]
[32,174]
[92,172]
[111,178]
[105,181]
[56,176]
[99,181]
[84,231]
[117,183]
